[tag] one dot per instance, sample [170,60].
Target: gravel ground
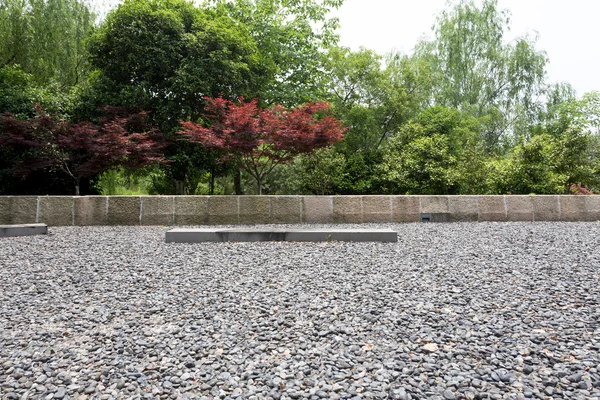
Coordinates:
[451,311]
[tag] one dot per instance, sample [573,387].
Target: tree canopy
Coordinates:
[469,111]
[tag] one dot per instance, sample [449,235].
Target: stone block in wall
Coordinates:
[406,209]
[519,208]
[463,208]
[5,214]
[124,210]
[254,209]
[18,210]
[377,208]
[435,205]
[347,209]
[285,210]
[191,210]
[157,210]
[90,210]
[491,208]
[317,209]
[56,210]
[592,208]
[223,210]
[545,208]
[572,208]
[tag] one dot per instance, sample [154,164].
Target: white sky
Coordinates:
[569,31]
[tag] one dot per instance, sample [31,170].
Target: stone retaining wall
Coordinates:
[214,210]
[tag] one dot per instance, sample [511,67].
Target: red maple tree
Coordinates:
[260,139]
[83,149]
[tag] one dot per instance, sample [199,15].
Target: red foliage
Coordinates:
[80,150]
[260,139]
[580,189]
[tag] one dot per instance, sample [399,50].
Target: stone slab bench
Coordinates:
[23,230]
[181,235]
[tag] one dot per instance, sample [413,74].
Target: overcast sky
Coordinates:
[569,31]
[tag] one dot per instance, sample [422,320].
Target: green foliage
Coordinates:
[291,38]
[547,164]
[423,165]
[46,38]
[323,172]
[534,167]
[166,55]
[425,156]
[468,112]
[19,93]
[120,182]
[472,69]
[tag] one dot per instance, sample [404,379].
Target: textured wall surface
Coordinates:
[213,210]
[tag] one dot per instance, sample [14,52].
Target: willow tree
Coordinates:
[46,38]
[474,69]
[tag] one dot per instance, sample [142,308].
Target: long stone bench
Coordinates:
[23,230]
[181,235]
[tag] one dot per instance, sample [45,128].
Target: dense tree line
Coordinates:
[466,113]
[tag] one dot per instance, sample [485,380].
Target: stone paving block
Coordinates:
[157,210]
[592,208]
[545,208]
[23,230]
[223,210]
[191,210]
[90,210]
[572,208]
[18,209]
[317,209]
[519,208]
[463,208]
[491,208]
[56,210]
[124,210]
[254,209]
[435,205]
[406,209]
[285,210]
[180,235]
[377,208]
[347,209]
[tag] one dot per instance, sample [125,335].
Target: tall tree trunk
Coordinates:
[77,180]
[259,183]
[211,183]
[237,182]
[179,187]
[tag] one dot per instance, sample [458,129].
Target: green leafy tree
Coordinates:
[292,39]
[374,96]
[46,38]
[167,55]
[323,172]
[534,167]
[547,164]
[426,156]
[475,70]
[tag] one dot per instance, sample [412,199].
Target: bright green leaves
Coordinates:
[472,68]
[46,38]
[292,38]
[167,55]
[425,156]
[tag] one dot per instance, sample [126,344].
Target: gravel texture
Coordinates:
[451,311]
